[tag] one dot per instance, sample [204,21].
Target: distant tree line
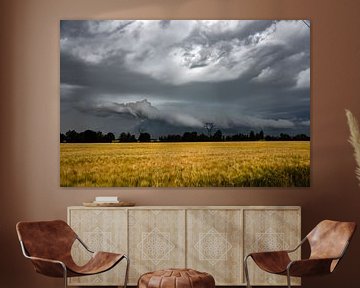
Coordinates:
[89,136]
[218,136]
[252,136]
[193,137]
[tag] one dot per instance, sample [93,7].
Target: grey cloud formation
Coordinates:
[143,110]
[240,74]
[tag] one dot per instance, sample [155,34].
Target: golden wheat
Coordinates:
[216,164]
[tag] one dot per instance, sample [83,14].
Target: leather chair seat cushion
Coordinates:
[176,278]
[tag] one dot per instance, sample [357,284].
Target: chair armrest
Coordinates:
[45,260]
[298,246]
[48,267]
[309,267]
[83,244]
[267,254]
[279,251]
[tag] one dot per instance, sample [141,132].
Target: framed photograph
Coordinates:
[185,103]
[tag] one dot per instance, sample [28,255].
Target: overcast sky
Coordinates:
[168,77]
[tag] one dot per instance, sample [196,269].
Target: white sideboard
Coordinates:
[211,239]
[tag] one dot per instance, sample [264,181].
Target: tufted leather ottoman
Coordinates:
[176,278]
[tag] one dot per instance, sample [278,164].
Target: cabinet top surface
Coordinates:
[192,207]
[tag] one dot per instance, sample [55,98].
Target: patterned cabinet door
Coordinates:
[214,244]
[101,230]
[156,240]
[269,230]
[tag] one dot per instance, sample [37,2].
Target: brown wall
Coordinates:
[29,119]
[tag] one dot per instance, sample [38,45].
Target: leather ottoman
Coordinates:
[176,278]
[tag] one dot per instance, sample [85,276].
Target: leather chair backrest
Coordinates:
[329,239]
[47,239]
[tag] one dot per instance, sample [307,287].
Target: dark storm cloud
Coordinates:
[142,110]
[108,78]
[119,75]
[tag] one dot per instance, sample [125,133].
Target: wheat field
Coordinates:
[209,164]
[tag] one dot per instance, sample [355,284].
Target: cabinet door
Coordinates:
[101,230]
[270,230]
[214,244]
[156,240]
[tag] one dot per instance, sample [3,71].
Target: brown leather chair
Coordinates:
[48,245]
[328,242]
